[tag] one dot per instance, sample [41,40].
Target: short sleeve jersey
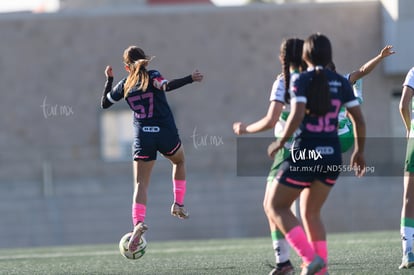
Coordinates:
[341,95]
[278,94]
[150,107]
[409,81]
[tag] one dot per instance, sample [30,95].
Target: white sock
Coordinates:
[407,239]
[282,250]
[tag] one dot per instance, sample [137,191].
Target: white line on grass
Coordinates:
[114,252]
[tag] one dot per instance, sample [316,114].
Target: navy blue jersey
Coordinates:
[341,95]
[150,107]
[316,150]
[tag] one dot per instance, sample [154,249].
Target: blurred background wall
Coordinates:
[65,169]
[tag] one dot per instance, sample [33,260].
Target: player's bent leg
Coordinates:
[312,200]
[280,245]
[178,161]
[179,183]
[266,209]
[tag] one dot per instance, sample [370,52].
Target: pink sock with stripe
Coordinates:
[179,188]
[321,248]
[298,241]
[138,213]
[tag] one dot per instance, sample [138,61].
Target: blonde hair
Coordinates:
[137,61]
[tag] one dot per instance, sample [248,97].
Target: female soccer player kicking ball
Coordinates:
[154,131]
[316,97]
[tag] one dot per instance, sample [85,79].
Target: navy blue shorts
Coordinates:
[149,140]
[306,165]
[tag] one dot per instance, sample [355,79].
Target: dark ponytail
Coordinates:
[318,94]
[318,52]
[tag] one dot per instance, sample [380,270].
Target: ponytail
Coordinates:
[318,52]
[138,75]
[137,62]
[318,95]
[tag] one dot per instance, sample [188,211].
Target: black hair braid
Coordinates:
[286,74]
[292,56]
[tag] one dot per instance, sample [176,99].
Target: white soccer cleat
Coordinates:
[179,211]
[139,229]
[407,261]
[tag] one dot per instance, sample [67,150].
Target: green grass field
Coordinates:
[359,253]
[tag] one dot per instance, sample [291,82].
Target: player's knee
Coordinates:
[268,207]
[179,161]
[310,215]
[265,207]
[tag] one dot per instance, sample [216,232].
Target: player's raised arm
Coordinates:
[105,103]
[111,95]
[196,76]
[371,64]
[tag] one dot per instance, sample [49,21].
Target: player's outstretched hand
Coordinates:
[197,76]
[358,164]
[108,71]
[387,51]
[239,128]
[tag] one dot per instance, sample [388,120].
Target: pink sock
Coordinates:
[321,248]
[138,213]
[179,188]
[297,239]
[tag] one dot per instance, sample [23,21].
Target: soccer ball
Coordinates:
[132,255]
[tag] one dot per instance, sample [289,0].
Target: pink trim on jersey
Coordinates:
[159,82]
[173,150]
[301,183]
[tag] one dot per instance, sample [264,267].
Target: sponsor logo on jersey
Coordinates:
[151,129]
[325,150]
